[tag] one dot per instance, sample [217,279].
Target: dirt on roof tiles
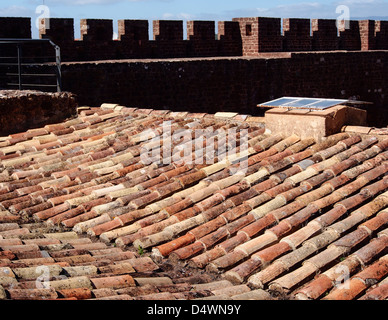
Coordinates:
[140,204]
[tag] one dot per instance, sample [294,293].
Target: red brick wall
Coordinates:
[367,36]
[133,39]
[242,36]
[15,28]
[270,39]
[381,34]
[202,37]
[296,34]
[324,34]
[136,30]
[350,36]
[233,84]
[249,31]
[260,35]
[24,110]
[230,38]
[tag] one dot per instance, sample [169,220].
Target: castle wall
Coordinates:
[239,37]
[381,34]
[249,62]
[15,27]
[296,34]
[233,84]
[324,34]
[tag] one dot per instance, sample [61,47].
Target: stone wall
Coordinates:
[233,84]
[24,110]
[241,36]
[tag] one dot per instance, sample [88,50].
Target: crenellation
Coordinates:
[201,38]
[381,35]
[230,39]
[168,30]
[260,35]
[133,39]
[246,36]
[168,39]
[249,35]
[349,34]
[133,30]
[229,30]
[367,31]
[15,28]
[96,41]
[98,30]
[270,38]
[296,35]
[61,32]
[324,35]
[201,30]
[57,29]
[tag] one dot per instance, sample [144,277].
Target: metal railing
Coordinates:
[21,63]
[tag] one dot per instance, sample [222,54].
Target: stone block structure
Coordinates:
[24,110]
[240,37]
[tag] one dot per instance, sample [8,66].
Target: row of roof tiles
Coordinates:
[46,266]
[295,201]
[37,184]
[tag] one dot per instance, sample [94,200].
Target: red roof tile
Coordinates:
[298,208]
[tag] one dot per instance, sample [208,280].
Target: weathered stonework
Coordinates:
[233,84]
[316,124]
[23,110]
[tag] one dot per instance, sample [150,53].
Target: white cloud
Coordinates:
[16,11]
[167,15]
[365,8]
[309,10]
[178,16]
[302,10]
[87,2]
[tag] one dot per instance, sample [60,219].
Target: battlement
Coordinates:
[297,36]
[239,37]
[265,35]
[15,28]
[324,35]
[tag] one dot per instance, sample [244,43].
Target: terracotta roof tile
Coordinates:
[85,176]
[378,293]
[32,294]
[360,282]
[78,293]
[114,282]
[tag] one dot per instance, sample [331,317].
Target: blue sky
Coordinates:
[189,9]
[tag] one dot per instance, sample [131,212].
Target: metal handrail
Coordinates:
[19,42]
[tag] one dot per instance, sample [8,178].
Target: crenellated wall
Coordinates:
[296,34]
[290,35]
[239,37]
[15,27]
[133,41]
[381,35]
[324,35]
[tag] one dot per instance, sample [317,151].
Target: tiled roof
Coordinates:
[83,215]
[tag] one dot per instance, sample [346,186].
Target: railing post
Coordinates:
[58,69]
[19,49]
